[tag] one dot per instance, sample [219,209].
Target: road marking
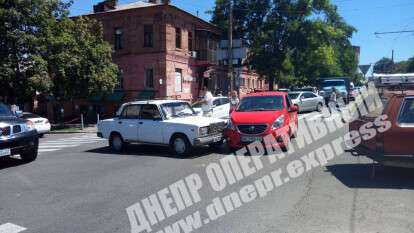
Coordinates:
[59,144]
[44,146]
[11,228]
[48,150]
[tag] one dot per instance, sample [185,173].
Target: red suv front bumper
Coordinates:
[237,140]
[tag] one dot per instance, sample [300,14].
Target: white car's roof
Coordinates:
[157,102]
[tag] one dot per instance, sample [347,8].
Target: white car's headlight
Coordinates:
[203,131]
[279,122]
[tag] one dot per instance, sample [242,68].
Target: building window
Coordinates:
[118,38]
[190,41]
[149,78]
[178,80]
[120,79]
[178,38]
[148,36]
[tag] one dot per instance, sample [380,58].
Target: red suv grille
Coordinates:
[252,129]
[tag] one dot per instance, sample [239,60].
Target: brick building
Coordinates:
[162,52]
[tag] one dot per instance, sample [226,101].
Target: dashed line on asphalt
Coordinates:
[11,228]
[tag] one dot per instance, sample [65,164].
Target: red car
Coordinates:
[261,114]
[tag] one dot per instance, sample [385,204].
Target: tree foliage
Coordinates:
[43,50]
[292,41]
[384,66]
[387,66]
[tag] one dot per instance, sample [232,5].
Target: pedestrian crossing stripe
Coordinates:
[11,228]
[59,144]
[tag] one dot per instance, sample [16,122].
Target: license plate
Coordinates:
[5,152]
[251,139]
[216,139]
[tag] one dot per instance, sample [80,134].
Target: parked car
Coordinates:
[393,147]
[261,114]
[17,136]
[221,107]
[41,124]
[172,123]
[310,89]
[307,101]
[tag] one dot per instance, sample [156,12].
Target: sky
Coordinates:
[367,16]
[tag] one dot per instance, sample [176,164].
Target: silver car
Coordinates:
[307,101]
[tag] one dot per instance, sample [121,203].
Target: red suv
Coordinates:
[261,114]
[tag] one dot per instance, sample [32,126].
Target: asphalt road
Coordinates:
[79,185]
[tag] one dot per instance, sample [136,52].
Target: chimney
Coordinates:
[165,2]
[105,6]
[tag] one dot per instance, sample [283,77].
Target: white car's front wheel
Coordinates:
[116,142]
[180,145]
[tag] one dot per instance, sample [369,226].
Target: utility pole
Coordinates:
[230,48]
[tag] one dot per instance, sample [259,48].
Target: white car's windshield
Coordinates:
[178,109]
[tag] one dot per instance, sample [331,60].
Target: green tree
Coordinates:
[410,65]
[42,49]
[400,67]
[284,34]
[79,60]
[384,65]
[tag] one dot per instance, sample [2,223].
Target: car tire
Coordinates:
[180,145]
[116,142]
[29,156]
[41,135]
[285,148]
[319,107]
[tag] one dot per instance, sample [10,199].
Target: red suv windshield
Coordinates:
[260,103]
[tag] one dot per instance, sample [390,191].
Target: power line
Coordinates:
[394,32]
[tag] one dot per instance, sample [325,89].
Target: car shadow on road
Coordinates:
[373,176]
[155,151]
[10,162]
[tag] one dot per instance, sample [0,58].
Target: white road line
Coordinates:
[55,146]
[11,228]
[47,150]
[60,144]
[315,117]
[304,115]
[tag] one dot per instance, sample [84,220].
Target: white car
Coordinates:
[41,124]
[172,123]
[307,101]
[221,107]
